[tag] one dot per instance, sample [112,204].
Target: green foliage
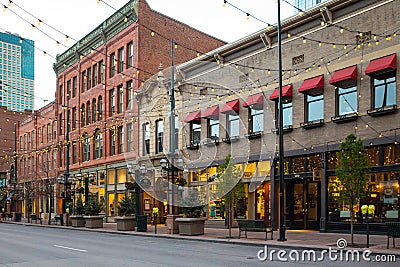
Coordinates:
[92,207]
[79,209]
[126,207]
[186,204]
[228,182]
[352,169]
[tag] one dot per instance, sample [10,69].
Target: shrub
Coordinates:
[92,207]
[79,209]
[126,207]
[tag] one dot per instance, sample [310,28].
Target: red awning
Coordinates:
[194,116]
[231,107]
[313,83]
[254,101]
[343,75]
[287,91]
[381,65]
[211,112]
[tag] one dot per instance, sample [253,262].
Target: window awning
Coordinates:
[287,91]
[381,65]
[254,101]
[343,76]
[309,86]
[193,116]
[231,107]
[211,113]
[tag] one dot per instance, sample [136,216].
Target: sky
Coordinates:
[76,18]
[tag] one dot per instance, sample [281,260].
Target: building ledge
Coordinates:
[312,124]
[231,139]
[193,146]
[382,110]
[254,135]
[345,118]
[211,142]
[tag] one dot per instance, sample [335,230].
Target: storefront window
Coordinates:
[298,165]
[313,162]
[111,177]
[121,176]
[373,156]
[332,161]
[111,208]
[264,168]
[212,173]
[381,197]
[250,170]
[391,154]
[120,196]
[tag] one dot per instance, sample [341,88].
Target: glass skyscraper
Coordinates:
[16,72]
[306,4]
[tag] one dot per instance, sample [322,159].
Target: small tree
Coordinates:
[351,173]
[230,185]
[190,206]
[126,207]
[79,209]
[92,207]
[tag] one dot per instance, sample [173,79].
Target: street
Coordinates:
[23,245]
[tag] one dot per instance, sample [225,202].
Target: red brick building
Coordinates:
[96,80]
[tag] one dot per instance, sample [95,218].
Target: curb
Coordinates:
[198,239]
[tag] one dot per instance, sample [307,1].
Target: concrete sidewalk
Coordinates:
[300,239]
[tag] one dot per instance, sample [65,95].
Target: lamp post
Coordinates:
[63,180]
[280,132]
[171,167]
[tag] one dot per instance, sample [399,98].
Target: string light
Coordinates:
[341,30]
[247,16]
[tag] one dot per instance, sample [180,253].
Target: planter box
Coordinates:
[77,221]
[172,224]
[126,223]
[191,226]
[93,221]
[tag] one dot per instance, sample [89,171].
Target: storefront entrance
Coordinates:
[303,204]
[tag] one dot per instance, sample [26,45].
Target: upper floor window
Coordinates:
[233,125]
[98,144]
[83,115]
[384,91]
[213,129]
[129,137]
[129,94]
[95,74]
[83,81]
[88,113]
[112,142]
[112,64]
[130,55]
[74,86]
[314,107]
[159,136]
[120,90]
[346,100]
[287,112]
[100,109]
[256,120]
[121,139]
[195,132]
[94,110]
[101,71]
[112,102]
[74,153]
[121,59]
[69,89]
[146,138]
[89,78]
[86,147]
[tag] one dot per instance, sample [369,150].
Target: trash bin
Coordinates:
[141,223]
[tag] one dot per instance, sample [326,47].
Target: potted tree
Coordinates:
[77,214]
[92,217]
[126,211]
[192,221]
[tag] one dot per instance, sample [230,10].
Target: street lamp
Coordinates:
[171,168]
[65,180]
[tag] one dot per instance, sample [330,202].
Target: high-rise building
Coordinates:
[306,4]
[16,72]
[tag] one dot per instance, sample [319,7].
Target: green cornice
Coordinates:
[98,37]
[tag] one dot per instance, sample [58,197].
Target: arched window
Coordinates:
[94,117]
[98,144]
[88,113]
[83,116]
[86,147]
[100,109]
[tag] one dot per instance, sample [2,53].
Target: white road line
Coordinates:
[75,249]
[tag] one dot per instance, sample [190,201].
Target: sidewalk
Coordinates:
[299,239]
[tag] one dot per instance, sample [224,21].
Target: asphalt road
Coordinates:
[24,245]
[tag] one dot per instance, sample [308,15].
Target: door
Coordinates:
[306,204]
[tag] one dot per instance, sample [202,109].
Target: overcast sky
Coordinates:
[76,18]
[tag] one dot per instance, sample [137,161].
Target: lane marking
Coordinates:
[75,249]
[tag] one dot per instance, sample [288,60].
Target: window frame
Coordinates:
[386,84]
[254,114]
[211,123]
[230,120]
[98,144]
[314,99]
[338,98]
[159,136]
